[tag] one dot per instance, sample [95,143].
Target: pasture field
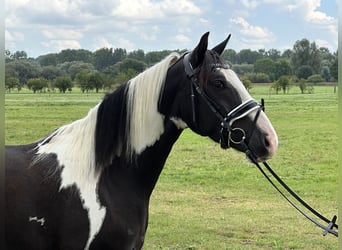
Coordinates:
[208,198]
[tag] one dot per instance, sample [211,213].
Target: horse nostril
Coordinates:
[267,143]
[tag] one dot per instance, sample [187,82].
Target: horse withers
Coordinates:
[87,185]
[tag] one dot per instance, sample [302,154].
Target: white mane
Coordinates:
[146,124]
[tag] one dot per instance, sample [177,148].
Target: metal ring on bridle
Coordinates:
[236,139]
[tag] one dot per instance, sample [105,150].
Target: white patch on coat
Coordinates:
[41,221]
[74,146]
[180,124]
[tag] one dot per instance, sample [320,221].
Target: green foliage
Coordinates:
[282,68]
[50,72]
[334,69]
[37,84]
[123,77]
[246,82]
[305,87]
[106,57]
[96,80]
[63,83]
[257,77]
[23,70]
[284,83]
[130,63]
[241,69]
[276,87]
[247,56]
[11,83]
[315,78]
[304,72]
[306,53]
[264,65]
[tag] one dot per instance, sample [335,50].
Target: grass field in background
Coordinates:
[208,198]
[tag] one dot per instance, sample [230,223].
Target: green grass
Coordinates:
[208,198]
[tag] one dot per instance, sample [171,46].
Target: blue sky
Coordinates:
[40,27]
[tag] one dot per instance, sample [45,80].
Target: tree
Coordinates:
[130,63]
[48,59]
[246,82]
[302,85]
[326,73]
[305,53]
[273,54]
[123,77]
[334,69]
[82,81]
[287,54]
[284,83]
[63,83]
[248,56]
[230,55]
[23,70]
[96,80]
[19,55]
[243,68]
[264,65]
[304,72]
[37,84]
[137,54]
[71,55]
[50,72]
[77,67]
[315,78]
[11,83]
[281,68]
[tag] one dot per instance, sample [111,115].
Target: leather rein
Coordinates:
[238,135]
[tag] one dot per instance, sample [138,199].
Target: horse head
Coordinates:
[212,101]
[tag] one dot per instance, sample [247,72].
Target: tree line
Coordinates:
[305,63]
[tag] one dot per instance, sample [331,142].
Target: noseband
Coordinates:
[228,133]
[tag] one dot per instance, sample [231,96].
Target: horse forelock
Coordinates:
[210,60]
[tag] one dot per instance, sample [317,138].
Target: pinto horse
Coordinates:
[87,185]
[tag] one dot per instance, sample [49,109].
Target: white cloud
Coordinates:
[58,45]
[13,36]
[308,9]
[249,31]
[249,3]
[147,9]
[182,39]
[59,33]
[101,42]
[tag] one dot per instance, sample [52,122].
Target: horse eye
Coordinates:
[218,84]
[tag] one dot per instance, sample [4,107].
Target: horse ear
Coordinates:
[220,47]
[197,55]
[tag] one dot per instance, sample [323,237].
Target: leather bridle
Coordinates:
[228,133]
[235,135]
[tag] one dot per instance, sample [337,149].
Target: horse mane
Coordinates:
[122,125]
[128,119]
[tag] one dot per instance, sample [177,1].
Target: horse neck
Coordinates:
[152,160]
